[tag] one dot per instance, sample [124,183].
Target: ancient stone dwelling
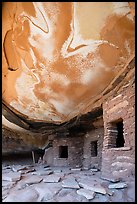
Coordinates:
[69,84]
[109,145]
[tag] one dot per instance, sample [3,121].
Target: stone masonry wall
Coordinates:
[75,151]
[119,162]
[90,161]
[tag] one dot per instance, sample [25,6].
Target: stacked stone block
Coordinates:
[121,106]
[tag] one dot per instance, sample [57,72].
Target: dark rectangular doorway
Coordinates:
[63,151]
[120,138]
[94,148]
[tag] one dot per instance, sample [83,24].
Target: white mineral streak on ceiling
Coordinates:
[122,8]
[63,54]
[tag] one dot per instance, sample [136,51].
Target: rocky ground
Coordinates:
[42,183]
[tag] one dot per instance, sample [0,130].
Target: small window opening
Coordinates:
[63,151]
[120,138]
[94,148]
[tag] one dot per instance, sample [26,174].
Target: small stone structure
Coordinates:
[81,151]
[66,152]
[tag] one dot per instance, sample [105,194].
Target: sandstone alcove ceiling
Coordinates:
[60,61]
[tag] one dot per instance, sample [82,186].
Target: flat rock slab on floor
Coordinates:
[47,190]
[93,186]
[57,170]
[113,180]
[42,172]
[93,170]
[76,169]
[7,184]
[11,176]
[29,180]
[53,178]
[86,193]
[25,195]
[69,195]
[16,168]
[70,183]
[46,168]
[25,171]
[118,185]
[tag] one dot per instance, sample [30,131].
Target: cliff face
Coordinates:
[60,59]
